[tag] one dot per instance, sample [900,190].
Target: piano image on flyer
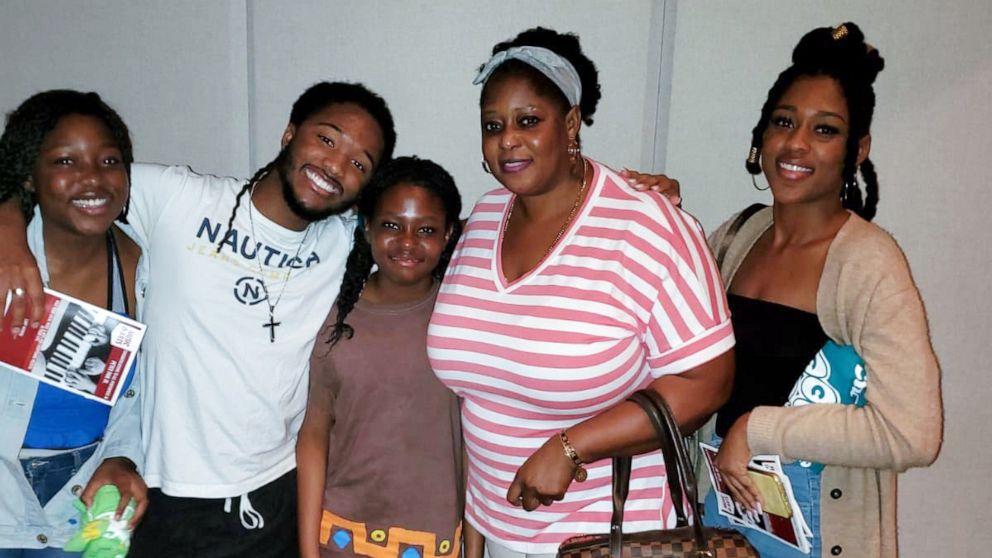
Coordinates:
[79,347]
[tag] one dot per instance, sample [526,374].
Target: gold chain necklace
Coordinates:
[568,220]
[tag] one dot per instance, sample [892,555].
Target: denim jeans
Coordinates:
[47,475]
[37,553]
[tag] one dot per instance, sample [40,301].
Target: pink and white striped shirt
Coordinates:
[630,293]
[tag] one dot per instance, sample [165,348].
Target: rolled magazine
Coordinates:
[79,347]
[780,518]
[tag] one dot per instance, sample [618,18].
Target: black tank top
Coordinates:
[774,345]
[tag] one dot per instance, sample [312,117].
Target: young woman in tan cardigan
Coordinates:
[812,269]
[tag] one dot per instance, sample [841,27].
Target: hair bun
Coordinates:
[840,49]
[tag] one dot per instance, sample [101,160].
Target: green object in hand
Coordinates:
[99,534]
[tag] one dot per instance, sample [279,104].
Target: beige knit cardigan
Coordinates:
[866,298]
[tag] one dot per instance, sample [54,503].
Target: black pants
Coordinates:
[201,528]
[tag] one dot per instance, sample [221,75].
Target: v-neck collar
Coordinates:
[506,286]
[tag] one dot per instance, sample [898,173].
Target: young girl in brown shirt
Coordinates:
[379,451]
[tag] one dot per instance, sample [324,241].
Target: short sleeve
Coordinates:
[689,321]
[153,187]
[323,379]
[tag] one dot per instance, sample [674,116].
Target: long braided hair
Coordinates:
[842,54]
[402,170]
[259,174]
[29,124]
[314,99]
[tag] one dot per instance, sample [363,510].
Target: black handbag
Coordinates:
[685,540]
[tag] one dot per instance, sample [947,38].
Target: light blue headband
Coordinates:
[557,69]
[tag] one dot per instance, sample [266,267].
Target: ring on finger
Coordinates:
[18,292]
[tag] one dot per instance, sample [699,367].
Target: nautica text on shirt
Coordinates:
[240,243]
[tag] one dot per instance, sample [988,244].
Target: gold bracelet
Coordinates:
[580,474]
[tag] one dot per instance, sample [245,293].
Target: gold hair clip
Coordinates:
[839,32]
[752,156]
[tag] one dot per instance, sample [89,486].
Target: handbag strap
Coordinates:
[681,478]
[674,454]
[621,484]
[670,456]
[687,475]
[721,251]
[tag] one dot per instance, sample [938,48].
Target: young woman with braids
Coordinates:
[835,372]
[568,292]
[67,156]
[379,451]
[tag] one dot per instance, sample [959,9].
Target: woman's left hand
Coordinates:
[120,472]
[668,187]
[544,478]
[732,461]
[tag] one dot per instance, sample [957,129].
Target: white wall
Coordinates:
[176,76]
[210,84]
[422,56]
[930,145]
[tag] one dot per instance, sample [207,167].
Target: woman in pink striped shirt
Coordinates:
[568,292]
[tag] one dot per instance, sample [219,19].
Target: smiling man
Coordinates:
[241,277]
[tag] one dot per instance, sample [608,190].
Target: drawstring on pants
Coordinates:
[250,519]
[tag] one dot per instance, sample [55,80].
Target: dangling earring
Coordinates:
[485,167]
[752,156]
[574,150]
[752,159]
[846,189]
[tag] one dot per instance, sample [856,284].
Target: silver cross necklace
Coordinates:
[272,323]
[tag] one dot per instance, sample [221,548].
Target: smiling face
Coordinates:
[806,141]
[79,178]
[525,135]
[327,159]
[408,232]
